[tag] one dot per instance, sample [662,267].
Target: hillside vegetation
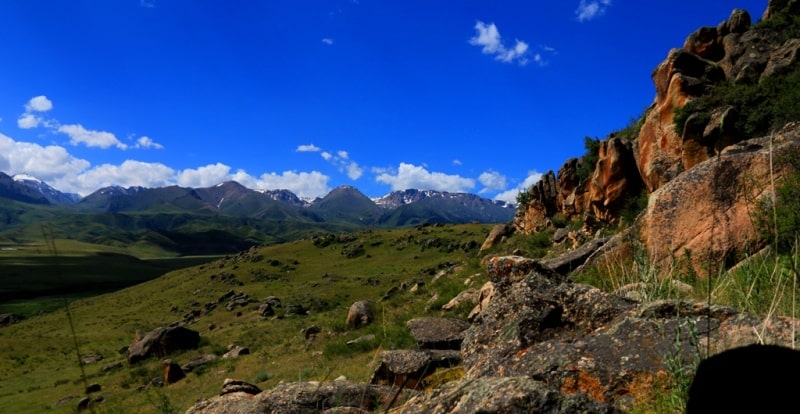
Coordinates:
[324,275]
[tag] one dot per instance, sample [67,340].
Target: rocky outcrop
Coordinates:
[704,216]
[534,217]
[614,180]
[545,339]
[681,77]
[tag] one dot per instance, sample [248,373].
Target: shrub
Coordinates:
[589,159]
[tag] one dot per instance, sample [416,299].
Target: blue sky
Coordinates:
[471,96]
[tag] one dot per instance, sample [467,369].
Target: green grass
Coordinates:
[38,366]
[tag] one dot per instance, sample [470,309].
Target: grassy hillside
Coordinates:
[324,274]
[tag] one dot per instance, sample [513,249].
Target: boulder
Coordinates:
[437,333]
[574,340]
[307,398]
[230,386]
[7,319]
[496,235]
[409,368]
[198,361]
[161,342]
[573,259]
[172,371]
[704,215]
[235,351]
[361,313]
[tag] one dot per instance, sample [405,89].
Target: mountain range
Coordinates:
[225,218]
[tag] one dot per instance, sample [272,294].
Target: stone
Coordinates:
[361,313]
[409,368]
[437,333]
[235,351]
[172,371]
[198,361]
[7,319]
[161,342]
[230,386]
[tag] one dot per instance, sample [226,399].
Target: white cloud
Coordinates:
[206,176]
[456,162]
[342,154]
[510,196]
[308,148]
[411,176]
[147,142]
[304,184]
[80,135]
[488,37]
[327,41]
[326,155]
[57,167]
[28,121]
[49,163]
[354,171]
[492,181]
[591,9]
[130,173]
[39,104]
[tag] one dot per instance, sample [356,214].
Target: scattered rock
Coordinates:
[172,371]
[7,319]
[231,386]
[361,313]
[91,359]
[311,332]
[161,342]
[235,351]
[93,387]
[198,361]
[296,309]
[467,297]
[111,366]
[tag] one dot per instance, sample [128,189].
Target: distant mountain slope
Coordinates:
[347,204]
[13,190]
[442,207]
[51,194]
[225,218]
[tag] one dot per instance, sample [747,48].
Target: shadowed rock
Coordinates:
[750,379]
[161,342]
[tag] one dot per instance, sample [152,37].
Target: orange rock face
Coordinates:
[703,218]
[615,177]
